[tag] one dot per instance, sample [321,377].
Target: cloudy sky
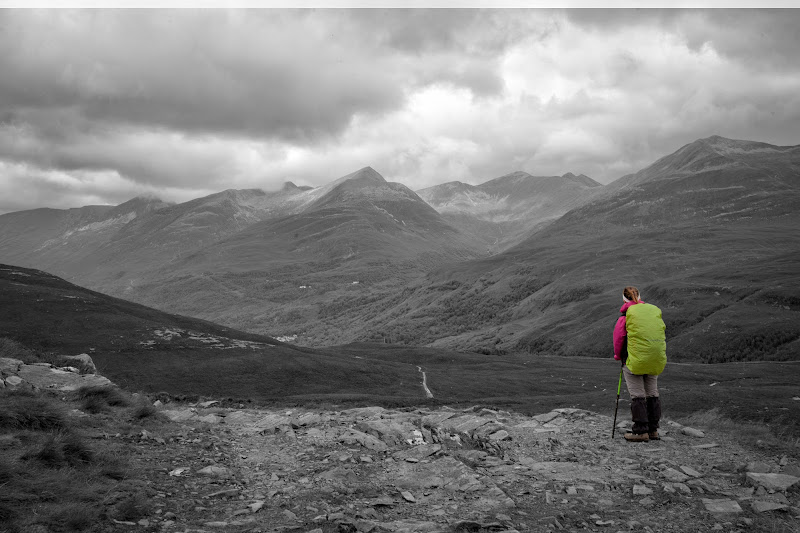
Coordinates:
[99,106]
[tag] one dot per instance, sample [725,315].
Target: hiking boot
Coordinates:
[653,435]
[637,437]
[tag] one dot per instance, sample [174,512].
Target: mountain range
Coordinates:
[518,263]
[502,211]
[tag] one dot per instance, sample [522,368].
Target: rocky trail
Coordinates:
[444,470]
[208,467]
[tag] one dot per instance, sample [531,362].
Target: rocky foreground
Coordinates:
[373,469]
[208,468]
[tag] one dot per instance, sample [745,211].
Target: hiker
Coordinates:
[640,344]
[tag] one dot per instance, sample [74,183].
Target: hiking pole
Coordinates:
[616,408]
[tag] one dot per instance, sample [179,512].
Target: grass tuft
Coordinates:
[132,508]
[60,450]
[144,411]
[108,395]
[53,478]
[74,517]
[25,411]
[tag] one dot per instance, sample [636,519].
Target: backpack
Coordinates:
[646,340]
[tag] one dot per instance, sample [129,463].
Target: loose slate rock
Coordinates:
[779,482]
[407,496]
[546,417]
[673,475]
[215,471]
[721,506]
[762,506]
[692,432]
[691,471]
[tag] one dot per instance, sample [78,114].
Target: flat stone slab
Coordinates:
[353,436]
[417,452]
[267,424]
[779,482]
[363,412]
[436,419]
[546,417]
[763,507]
[566,471]
[528,424]
[179,415]
[688,470]
[464,424]
[670,474]
[721,506]
[44,377]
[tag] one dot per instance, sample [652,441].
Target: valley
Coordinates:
[517,265]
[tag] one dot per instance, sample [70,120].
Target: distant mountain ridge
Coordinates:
[502,211]
[189,257]
[707,232]
[713,154]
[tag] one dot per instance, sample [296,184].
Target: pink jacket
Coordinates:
[619,330]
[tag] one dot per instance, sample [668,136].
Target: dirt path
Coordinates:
[428,392]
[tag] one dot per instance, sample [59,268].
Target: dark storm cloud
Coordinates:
[248,72]
[91,89]
[98,106]
[289,74]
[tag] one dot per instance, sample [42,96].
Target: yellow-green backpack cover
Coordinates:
[647,343]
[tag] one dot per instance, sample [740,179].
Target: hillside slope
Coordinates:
[145,349]
[713,245]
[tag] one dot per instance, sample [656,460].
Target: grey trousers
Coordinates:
[641,386]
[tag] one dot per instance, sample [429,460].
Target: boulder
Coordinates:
[46,377]
[9,366]
[13,381]
[84,360]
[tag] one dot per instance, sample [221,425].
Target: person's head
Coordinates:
[630,294]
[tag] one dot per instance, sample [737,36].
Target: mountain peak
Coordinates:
[139,204]
[725,146]
[366,174]
[583,179]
